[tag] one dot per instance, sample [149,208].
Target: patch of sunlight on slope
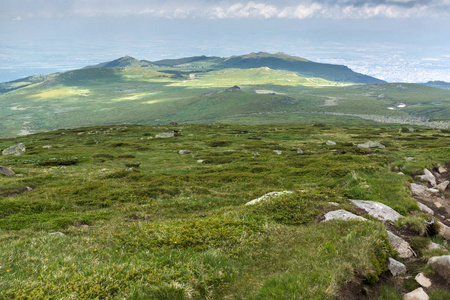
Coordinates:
[259,76]
[134,96]
[61,92]
[162,100]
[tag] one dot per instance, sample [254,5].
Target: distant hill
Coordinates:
[438,84]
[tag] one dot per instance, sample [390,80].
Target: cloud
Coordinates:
[430,59]
[235,9]
[18,18]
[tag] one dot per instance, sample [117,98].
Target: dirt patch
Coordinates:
[15,191]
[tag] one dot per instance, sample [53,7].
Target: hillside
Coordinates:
[438,84]
[117,212]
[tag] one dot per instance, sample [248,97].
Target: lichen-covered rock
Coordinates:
[395,267]
[6,171]
[400,245]
[441,264]
[371,144]
[417,294]
[378,210]
[17,149]
[342,214]
[268,196]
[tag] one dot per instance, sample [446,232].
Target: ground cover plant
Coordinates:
[114,212]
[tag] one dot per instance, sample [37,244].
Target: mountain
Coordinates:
[123,62]
[438,84]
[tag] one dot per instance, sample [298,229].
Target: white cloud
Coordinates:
[18,18]
[430,59]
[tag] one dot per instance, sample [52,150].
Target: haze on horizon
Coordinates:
[394,40]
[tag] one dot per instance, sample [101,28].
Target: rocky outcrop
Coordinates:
[17,149]
[342,214]
[378,210]
[268,196]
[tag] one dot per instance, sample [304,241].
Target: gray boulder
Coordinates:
[396,267]
[441,264]
[444,230]
[371,144]
[428,176]
[17,149]
[165,134]
[425,209]
[342,214]
[184,152]
[6,171]
[417,294]
[443,186]
[400,245]
[442,170]
[378,210]
[268,196]
[417,189]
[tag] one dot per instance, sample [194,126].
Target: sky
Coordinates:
[394,40]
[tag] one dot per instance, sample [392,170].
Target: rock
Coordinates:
[47,147]
[417,294]
[183,152]
[441,264]
[396,267]
[333,203]
[6,171]
[371,144]
[331,143]
[342,214]
[378,210]
[423,280]
[417,189]
[268,196]
[200,161]
[409,158]
[442,170]
[437,204]
[425,209]
[444,230]
[400,245]
[17,149]
[234,88]
[433,246]
[400,173]
[256,154]
[277,152]
[129,169]
[165,134]
[29,189]
[299,151]
[443,186]
[433,191]
[428,176]
[57,233]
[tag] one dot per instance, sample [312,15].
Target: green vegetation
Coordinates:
[142,221]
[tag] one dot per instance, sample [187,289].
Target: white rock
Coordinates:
[442,170]
[277,152]
[342,214]
[444,230]
[200,161]
[396,267]
[370,144]
[400,173]
[443,186]
[57,233]
[423,280]
[441,264]
[425,209]
[417,189]
[417,294]
[268,196]
[400,245]
[183,152]
[378,210]
[437,204]
[299,151]
[433,191]
[331,143]
[409,158]
[428,177]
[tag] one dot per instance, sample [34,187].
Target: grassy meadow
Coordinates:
[112,212]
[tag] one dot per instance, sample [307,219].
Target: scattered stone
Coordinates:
[400,245]
[425,209]
[331,143]
[442,170]
[437,204]
[423,280]
[444,230]
[299,151]
[432,246]
[47,147]
[443,186]
[342,214]
[200,161]
[17,149]
[277,152]
[417,189]
[129,169]
[80,133]
[183,152]
[268,196]
[396,267]
[428,176]
[29,189]
[6,171]
[165,134]
[441,264]
[256,154]
[371,144]
[378,210]
[410,158]
[417,294]
[400,173]
[433,191]
[57,233]
[333,203]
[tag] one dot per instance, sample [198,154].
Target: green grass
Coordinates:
[176,228]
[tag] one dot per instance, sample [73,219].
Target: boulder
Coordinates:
[268,196]
[165,134]
[443,186]
[423,280]
[417,294]
[433,246]
[433,191]
[396,267]
[378,210]
[371,144]
[277,152]
[442,170]
[409,158]
[441,264]
[400,245]
[428,176]
[417,189]
[6,171]
[425,209]
[17,149]
[331,143]
[444,230]
[183,152]
[342,214]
